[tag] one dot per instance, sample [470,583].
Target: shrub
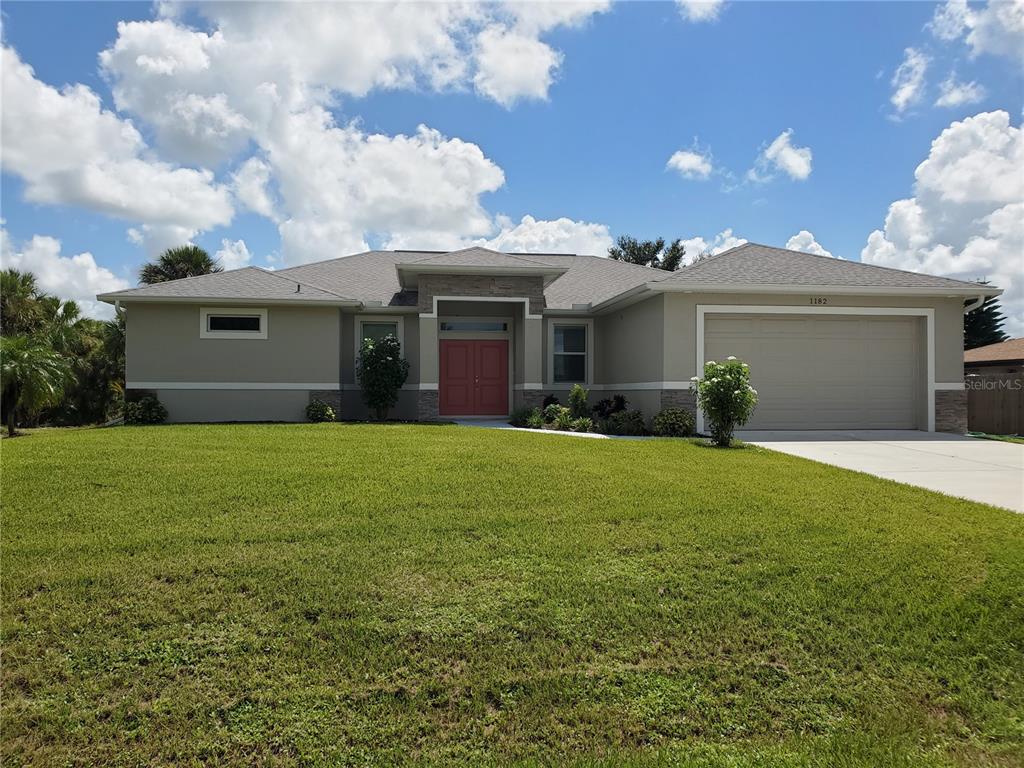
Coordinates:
[563,420]
[521,416]
[382,371]
[578,401]
[551,411]
[536,419]
[318,411]
[673,422]
[582,424]
[145,410]
[549,400]
[625,423]
[726,397]
[605,408]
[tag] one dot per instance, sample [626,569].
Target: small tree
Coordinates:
[382,371]
[32,376]
[726,397]
[176,263]
[984,325]
[649,253]
[578,402]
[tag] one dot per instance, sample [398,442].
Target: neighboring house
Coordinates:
[1004,357]
[832,344]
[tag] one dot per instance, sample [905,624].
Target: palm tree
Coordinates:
[176,263]
[32,377]
[19,306]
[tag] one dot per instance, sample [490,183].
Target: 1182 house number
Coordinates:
[818,300]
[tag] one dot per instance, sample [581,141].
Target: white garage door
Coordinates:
[825,371]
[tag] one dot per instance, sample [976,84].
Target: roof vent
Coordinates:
[298,287]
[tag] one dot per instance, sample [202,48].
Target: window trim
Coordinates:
[588,323]
[370,317]
[204,323]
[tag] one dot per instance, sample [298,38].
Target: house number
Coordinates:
[819,300]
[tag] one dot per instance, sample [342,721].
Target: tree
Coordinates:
[984,325]
[382,371]
[649,253]
[32,377]
[20,311]
[725,395]
[176,263]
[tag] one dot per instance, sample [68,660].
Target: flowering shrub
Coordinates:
[381,371]
[726,397]
[318,411]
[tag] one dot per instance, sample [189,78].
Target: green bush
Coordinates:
[673,422]
[551,412]
[145,410]
[582,424]
[726,397]
[318,411]
[536,419]
[521,416]
[609,405]
[382,371]
[625,423]
[578,401]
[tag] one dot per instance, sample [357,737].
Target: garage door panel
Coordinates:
[825,372]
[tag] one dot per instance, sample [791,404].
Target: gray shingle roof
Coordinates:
[476,257]
[754,264]
[237,284]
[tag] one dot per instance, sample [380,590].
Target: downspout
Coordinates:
[974,304]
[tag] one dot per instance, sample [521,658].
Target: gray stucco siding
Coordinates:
[630,342]
[162,344]
[220,405]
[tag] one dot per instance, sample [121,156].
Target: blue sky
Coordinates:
[633,84]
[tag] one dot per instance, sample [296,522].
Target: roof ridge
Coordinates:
[183,279]
[273,273]
[480,248]
[328,261]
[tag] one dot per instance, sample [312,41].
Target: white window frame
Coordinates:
[204,323]
[398,320]
[589,353]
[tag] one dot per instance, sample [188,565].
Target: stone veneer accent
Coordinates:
[532,398]
[426,405]
[330,396]
[525,287]
[951,410]
[679,398]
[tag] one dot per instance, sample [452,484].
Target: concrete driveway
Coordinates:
[980,470]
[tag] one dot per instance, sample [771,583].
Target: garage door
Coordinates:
[825,371]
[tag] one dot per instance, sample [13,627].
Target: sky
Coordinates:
[279,134]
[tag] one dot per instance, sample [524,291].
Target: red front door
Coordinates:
[474,377]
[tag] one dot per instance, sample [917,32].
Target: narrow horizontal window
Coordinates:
[240,323]
[377,331]
[492,326]
[569,363]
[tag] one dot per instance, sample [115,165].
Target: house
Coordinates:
[1003,358]
[832,344]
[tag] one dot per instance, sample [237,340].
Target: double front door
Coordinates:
[474,377]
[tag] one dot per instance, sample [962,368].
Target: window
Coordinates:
[569,354]
[232,323]
[376,327]
[377,331]
[492,326]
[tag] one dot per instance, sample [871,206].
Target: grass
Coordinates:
[341,594]
[1000,438]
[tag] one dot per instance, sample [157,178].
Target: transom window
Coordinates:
[492,326]
[232,323]
[377,331]
[249,323]
[569,356]
[376,327]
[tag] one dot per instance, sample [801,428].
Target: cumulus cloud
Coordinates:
[691,164]
[513,66]
[559,236]
[996,28]
[782,155]
[723,241]
[966,218]
[233,254]
[76,277]
[908,81]
[953,93]
[251,183]
[804,241]
[71,151]
[700,10]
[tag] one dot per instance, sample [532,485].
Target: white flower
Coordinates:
[730,357]
[744,365]
[753,390]
[695,378]
[710,362]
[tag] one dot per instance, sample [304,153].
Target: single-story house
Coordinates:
[832,344]
[1003,357]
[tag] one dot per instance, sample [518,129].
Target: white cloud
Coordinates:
[723,241]
[700,10]
[966,218]
[250,184]
[954,93]
[782,155]
[908,81]
[513,66]
[996,28]
[558,236]
[71,151]
[157,238]
[233,254]
[804,241]
[691,164]
[76,277]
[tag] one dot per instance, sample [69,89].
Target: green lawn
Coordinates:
[344,594]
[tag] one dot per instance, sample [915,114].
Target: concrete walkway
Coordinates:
[988,471]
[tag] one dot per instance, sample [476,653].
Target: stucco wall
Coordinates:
[162,344]
[630,343]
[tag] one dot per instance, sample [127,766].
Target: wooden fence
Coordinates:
[995,403]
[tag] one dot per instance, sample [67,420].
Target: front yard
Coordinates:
[343,594]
